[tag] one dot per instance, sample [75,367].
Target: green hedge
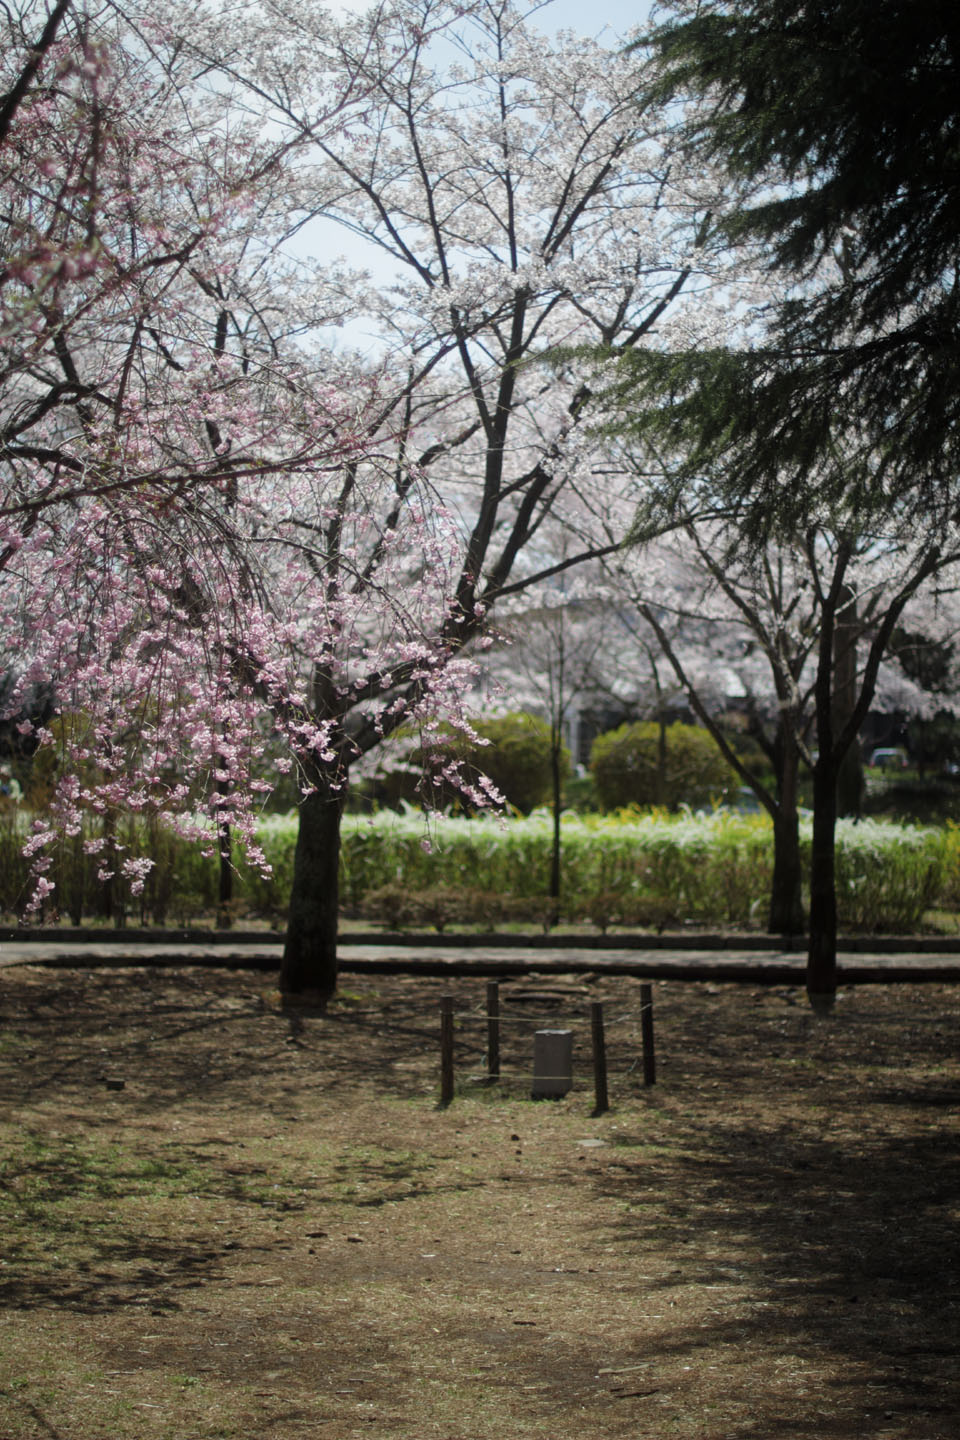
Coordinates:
[626,767]
[517,760]
[658,868]
[629,868]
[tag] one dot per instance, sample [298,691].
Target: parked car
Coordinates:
[891,757]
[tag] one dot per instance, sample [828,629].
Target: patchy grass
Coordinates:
[224,1220]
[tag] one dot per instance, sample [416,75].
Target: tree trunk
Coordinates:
[225,856]
[225,887]
[822,948]
[786,893]
[309,966]
[111,901]
[660,792]
[850,784]
[555,744]
[850,775]
[822,938]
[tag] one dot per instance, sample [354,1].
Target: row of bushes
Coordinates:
[649,869]
[654,869]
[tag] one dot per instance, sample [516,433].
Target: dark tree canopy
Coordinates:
[834,412]
[857,104]
[838,122]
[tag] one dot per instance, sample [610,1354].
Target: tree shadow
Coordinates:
[844,1252]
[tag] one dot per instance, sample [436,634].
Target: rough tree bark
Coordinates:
[308,970]
[822,934]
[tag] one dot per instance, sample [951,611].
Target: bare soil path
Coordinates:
[224,1220]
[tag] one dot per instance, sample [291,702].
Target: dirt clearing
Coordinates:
[223,1220]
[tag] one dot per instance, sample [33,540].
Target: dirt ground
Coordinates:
[220,1219]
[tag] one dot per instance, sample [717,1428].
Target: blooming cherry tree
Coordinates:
[170,448]
[250,532]
[518,202]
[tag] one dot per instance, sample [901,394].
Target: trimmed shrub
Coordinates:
[399,908]
[627,769]
[516,760]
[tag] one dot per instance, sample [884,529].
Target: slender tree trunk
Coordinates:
[661,785]
[555,744]
[822,938]
[786,894]
[225,857]
[111,901]
[822,950]
[225,886]
[850,784]
[309,966]
[850,774]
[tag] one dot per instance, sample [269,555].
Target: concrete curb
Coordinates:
[492,940]
[739,964]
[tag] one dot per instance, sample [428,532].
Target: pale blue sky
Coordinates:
[619,15]
[588,19]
